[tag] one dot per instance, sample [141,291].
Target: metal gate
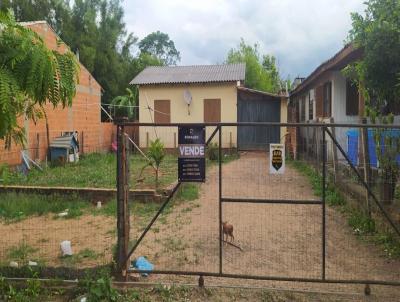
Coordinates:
[289,227]
[259,109]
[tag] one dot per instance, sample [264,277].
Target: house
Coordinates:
[83,117]
[326,95]
[209,94]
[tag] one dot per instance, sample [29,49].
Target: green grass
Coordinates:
[364,227]
[21,253]
[16,207]
[96,170]
[79,257]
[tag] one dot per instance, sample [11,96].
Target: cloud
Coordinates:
[300,34]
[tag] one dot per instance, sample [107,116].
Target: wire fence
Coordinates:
[323,219]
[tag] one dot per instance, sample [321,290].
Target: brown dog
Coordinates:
[227,230]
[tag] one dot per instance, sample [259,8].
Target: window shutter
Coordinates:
[212,110]
[319,98]
[162,111]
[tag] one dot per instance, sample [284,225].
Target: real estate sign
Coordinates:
[276,158]
[191,161]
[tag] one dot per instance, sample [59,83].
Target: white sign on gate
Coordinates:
[276,158]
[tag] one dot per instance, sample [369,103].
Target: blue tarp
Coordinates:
[142,264]
[352,145]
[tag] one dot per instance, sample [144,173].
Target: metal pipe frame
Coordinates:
[270,201]
[265,124]
[267,278]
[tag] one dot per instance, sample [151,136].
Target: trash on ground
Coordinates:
[142,264]
[63,214]
[13,264]
[32,263]
[66,248]
[99,204]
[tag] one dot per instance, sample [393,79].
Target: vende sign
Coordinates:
[191,151]
[191,161]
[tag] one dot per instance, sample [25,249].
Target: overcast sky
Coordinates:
[301,34]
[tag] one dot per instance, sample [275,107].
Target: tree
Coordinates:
[261,74]
[156,154]
[30,76]
[377,76]
[160,46]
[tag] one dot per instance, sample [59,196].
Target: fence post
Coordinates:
[220,197]
[122,200]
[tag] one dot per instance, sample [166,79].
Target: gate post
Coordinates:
[324,150]
[122,200]
[220,196]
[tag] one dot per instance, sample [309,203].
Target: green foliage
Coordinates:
[21,253]
[261,72]
[156,154]
[124,105]
[377,33]
[99,288]
[159,45]
[30,74]
[188,192]
[31,291]
[377,76]
[95,29]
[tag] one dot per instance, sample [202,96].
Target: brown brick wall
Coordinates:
[83,116]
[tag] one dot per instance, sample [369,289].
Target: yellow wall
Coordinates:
[284,112]
[227,92]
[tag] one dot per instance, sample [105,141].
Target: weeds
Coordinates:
[15,207]
[362,225]
[96,170]
[21,253]
[85,254]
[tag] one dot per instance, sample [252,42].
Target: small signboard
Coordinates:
[191,161]
[276,158]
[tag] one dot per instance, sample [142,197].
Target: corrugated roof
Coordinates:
[191,74]
[347,54]
[62,142]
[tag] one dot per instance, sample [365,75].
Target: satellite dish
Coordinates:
[187,96]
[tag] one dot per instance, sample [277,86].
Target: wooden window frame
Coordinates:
[310,107]
[327,99]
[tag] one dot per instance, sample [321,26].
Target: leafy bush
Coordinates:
[156,153]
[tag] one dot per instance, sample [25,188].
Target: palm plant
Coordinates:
[124,105]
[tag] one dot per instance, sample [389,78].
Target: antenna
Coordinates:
[187,96]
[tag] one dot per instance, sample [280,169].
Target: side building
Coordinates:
[83,117]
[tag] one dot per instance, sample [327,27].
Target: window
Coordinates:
[351,98]
[162,111]
[310,107]
[327,103]
[303,109]
[212,110]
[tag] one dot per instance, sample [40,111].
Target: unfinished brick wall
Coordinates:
[83,116]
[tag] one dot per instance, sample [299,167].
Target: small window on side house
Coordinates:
[351,98]
[327,103]
[310,107]
[303,109]
[162,111]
